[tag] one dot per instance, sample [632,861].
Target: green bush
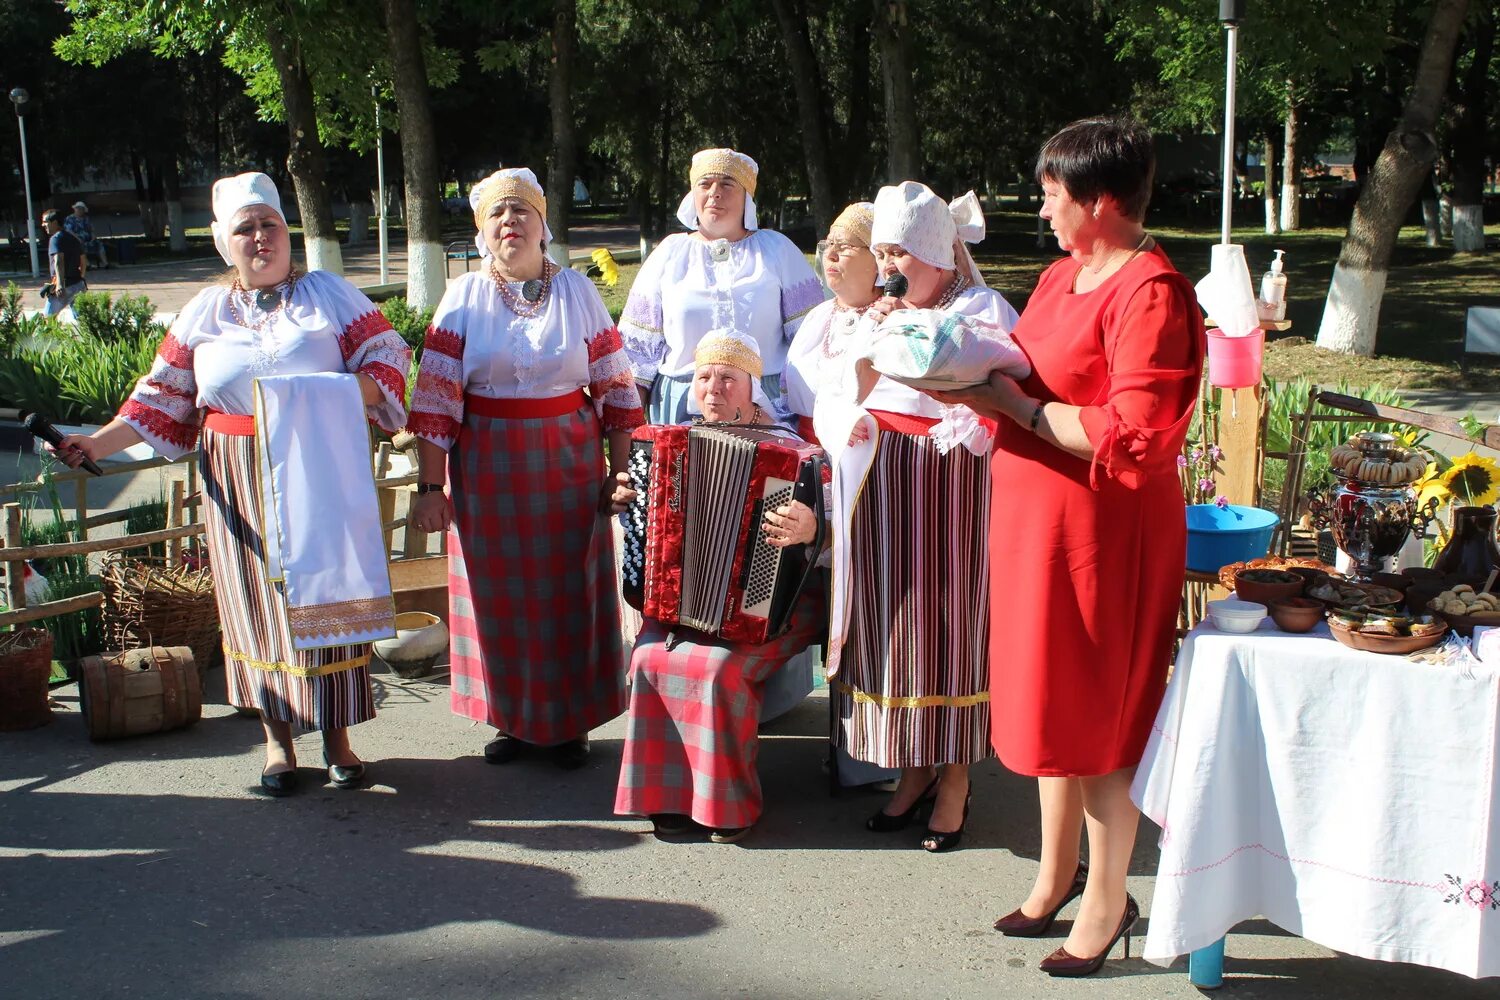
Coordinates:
[410,323]
[82,375]
[16,328]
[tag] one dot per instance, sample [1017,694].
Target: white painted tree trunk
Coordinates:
[323,254]
[359,223]
[1291,207]
[559,253]
[1430,222]
[425,278]
[1273,215]
[177,236]
[1445,217]
[1352,311]
[1468,228]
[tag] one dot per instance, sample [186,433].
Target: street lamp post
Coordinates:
[1231,13]
[385,249]
[19,98]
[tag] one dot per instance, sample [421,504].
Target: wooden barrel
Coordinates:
[139,691]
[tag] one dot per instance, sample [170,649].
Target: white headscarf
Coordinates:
[230,194]
[912,217]
[518,182]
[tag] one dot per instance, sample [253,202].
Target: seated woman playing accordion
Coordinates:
[695,697]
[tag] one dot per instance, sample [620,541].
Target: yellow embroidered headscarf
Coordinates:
[723,347]
[513,182]
[857,220]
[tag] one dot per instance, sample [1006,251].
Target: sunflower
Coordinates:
[609,270]
[1473,479]
[1430,487]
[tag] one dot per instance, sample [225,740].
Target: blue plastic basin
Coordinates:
[1220,536]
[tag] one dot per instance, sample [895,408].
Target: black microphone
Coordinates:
[895,285]
[41,427]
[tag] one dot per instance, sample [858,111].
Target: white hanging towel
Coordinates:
[1225,292]
[323,540]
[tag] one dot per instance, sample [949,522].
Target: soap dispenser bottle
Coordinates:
[1272,302]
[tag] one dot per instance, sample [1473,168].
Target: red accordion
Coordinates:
[695,553]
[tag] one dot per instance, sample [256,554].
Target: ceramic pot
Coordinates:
[420,639]
[1471,550]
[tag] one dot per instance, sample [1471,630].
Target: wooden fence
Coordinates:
[183,523]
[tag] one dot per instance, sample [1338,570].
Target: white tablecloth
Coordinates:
[1350,798]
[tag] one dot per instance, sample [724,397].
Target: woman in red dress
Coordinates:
[1088,533]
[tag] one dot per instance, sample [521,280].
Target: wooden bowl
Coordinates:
[1297,614]
[1464,624]
[1398,645]
[1264,592]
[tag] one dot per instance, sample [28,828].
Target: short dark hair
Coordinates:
[51,215]
[1099,156]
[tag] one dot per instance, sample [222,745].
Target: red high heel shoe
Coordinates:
[1062,963]
[1017,924]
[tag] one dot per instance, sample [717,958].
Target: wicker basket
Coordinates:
[25,668]
[148,604]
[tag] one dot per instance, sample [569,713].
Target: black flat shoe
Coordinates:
[730,835]
[884,822]
[279,785]
[670,824]
[503,749]
[572,755]
[345,777]
[938,841]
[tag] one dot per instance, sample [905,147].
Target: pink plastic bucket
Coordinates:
[1234,362]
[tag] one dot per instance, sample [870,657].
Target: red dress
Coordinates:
[1087,558]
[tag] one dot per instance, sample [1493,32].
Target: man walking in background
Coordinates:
[65,257]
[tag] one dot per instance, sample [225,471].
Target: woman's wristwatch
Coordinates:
[430,488]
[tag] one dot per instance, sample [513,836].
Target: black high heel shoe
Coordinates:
[938,841]
[1017,924]
[344,777]
[279,785]
[884,822]
[1063,963]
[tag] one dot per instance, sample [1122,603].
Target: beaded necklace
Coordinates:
[269,301]
[827,345]
[518,304]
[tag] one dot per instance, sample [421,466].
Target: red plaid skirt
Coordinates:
[690,739]
[533,609]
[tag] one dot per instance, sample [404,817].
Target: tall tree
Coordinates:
[807,81]
[903,139]
[425,265]
[305,160]
[1469,134]
[561,165]
[1352,311]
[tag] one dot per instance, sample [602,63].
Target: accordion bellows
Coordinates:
[931,349]
[695,554]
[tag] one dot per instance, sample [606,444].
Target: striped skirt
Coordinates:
[913,687]
[690,739]
[312,689]
[533,612]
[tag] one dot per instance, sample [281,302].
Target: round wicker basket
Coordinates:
[147,603]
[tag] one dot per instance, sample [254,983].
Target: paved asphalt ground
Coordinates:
[152,868]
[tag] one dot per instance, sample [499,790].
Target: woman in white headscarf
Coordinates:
[522,379]
[908,647]
[270,319]
[726,273]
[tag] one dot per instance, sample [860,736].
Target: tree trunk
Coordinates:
[856,157]
[668,205]
[359,222]
[1291,168]
[1469,138]
[561,167]
[426,276]
[1430,223]
[903,159]
[1352,311]
[1268,184]
[172,187]
[157,212]
[807,82]
[305,160]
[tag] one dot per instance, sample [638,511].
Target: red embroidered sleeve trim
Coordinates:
[444,342]
[160,424]
[618,418]
[371,324]
[605,343]
[432,425]
[174,353]
[393,380]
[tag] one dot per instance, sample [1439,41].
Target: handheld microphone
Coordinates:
[895,285]
[41,427]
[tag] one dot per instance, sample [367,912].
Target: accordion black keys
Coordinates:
[695,553]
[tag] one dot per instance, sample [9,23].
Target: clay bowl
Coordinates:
[1309,574]
[1297,614]
[1398,645]
[1464,624]
[1262,586]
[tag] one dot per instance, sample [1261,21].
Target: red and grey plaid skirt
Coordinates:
[533,608]
[690,739]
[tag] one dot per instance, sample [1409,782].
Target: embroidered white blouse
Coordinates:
[762,287]
[213,354]
[478,345]
[816,356]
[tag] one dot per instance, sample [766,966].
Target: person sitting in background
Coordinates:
[80,226]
